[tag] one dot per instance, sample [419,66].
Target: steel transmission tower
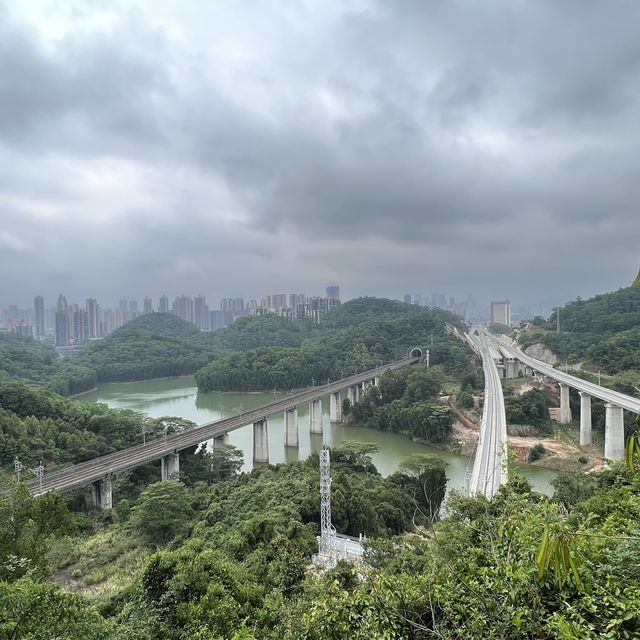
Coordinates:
[326,529]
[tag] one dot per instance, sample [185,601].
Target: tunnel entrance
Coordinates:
[416,352]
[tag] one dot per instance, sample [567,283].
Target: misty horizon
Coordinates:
[391,148]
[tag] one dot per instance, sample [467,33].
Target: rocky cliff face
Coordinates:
[542,352]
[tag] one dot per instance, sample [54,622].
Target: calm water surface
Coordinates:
[180,397]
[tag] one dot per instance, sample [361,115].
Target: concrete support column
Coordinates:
[260,441]
[291,427]
[351,395]
[511,369]
[335,410]
[102,493]
[315,416]
[170,466]
[376,381]
[220,440]
[614,433]
[357,391]
[585,418]
[565,407]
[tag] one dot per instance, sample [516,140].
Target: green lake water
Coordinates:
[180,397]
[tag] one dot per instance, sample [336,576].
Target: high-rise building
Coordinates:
[163,304]
[62,322]
[183,308]
[147,305]
[333,292]
[407,298]
[24,329]
[93,319]
[201,313]
[133,308]
[295,299]
[123,306]
[501,312]
[80,324]
[38,313]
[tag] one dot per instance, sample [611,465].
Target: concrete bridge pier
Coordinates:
[585,418]
[335,410]
[170,466]
[291,427]
[222,439]
[376,381]
[102,493]
[260,441]
[357,392]
[315,416]
[351,395]
[565,407]
[510,369]
[614,432]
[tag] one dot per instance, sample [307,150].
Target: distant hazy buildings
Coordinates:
[68,324]
[501,312]
[38,314]
[333,292]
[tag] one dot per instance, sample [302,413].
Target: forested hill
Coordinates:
[366,309]
[26,359]
[603,332]
[606,313]
[155,345]
[158,345]
[159,324]
[336,354]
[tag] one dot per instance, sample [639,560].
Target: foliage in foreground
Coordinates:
[519,566]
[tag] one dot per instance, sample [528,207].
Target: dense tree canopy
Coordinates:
[603,332]
[26,359]
[406,401]
[335,354]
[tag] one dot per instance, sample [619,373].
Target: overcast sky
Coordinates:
[254,146]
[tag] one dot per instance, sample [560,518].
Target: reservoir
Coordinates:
[180,397]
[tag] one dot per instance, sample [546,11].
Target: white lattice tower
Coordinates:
[326,529]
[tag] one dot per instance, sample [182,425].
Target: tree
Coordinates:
[428,476]
[162,512]
[32,610]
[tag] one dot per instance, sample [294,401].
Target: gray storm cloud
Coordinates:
[270,146]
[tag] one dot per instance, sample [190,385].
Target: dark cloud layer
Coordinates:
[230,148]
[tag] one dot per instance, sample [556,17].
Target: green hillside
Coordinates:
[367,309]
[336,354]
[603,332]
[26,359]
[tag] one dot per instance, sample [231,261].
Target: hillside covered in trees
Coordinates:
[26,359]
[602,332]
[337,354]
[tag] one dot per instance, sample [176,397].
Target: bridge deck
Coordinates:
[87,472]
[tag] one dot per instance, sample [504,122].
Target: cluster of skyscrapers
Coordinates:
[467,308]
[70,323]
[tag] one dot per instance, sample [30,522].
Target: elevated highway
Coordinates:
[489,471]
[616,402]
[99,471]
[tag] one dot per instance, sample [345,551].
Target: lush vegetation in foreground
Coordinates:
[235,563]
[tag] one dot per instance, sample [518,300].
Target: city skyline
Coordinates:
[404,147]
